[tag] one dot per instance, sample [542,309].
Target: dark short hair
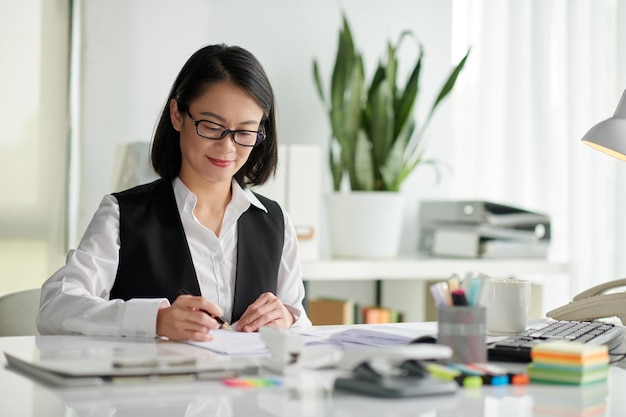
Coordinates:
[211,64]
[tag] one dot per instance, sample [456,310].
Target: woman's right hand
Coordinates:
[189,318]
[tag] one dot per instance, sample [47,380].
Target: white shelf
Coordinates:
[422,268]
[401,282]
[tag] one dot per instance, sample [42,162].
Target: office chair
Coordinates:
[18,311]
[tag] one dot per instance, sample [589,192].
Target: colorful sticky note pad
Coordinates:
[570,353]
[571,363]
[251,382]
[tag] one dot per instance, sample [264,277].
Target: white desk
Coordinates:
[309,395]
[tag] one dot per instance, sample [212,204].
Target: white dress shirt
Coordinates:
[75,299]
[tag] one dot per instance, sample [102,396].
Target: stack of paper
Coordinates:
[569,363]
[374,336]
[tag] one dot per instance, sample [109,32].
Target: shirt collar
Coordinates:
[242,198]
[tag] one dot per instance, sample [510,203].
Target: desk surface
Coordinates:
[308,394]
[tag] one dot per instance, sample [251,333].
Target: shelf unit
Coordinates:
[401,282]
[421,268]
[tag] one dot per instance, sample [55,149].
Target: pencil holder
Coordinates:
[463,328]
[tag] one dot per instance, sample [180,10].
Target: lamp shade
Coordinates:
[609,136]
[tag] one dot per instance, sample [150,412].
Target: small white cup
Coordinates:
[507,301]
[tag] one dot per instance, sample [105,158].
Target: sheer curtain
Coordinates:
[541,73]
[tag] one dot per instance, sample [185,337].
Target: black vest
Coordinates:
[154,258]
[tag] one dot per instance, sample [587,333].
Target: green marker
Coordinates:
[446,373]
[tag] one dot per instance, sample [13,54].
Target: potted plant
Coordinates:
[376,142]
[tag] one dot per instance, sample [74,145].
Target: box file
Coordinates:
[376,315]
[480,212]
[296,186]
[330,311]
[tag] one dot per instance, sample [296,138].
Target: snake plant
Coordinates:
[375,141]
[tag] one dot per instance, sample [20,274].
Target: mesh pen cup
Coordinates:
[464,330]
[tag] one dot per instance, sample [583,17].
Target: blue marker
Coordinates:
[488,378]
[474,291]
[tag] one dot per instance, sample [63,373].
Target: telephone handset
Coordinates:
[594,303]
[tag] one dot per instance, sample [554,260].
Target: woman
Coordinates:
[197,230]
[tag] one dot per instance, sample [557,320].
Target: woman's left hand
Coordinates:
[267,310]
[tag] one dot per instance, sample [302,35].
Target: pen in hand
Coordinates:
[221,320]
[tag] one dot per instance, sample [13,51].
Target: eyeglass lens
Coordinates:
[212,130]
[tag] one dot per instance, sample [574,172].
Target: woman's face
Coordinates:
[210,160]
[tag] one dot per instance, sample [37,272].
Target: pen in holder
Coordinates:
[463,328]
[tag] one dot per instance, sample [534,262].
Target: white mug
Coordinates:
[507,301]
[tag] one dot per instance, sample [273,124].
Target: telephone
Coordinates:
[594,303]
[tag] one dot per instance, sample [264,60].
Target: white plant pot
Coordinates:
[365,224]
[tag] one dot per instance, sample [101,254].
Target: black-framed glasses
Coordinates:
[215,131]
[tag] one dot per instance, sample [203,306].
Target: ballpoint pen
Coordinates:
[221,320]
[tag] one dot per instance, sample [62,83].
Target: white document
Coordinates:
[251,344]
[227,342]
[232,343]
[376,336]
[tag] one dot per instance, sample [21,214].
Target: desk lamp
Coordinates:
[609,136]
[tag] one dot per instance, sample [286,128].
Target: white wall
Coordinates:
[620,191]
[132,52]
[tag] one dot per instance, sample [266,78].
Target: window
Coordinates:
[34,42]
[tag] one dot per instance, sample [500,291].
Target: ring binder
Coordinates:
[482,229]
